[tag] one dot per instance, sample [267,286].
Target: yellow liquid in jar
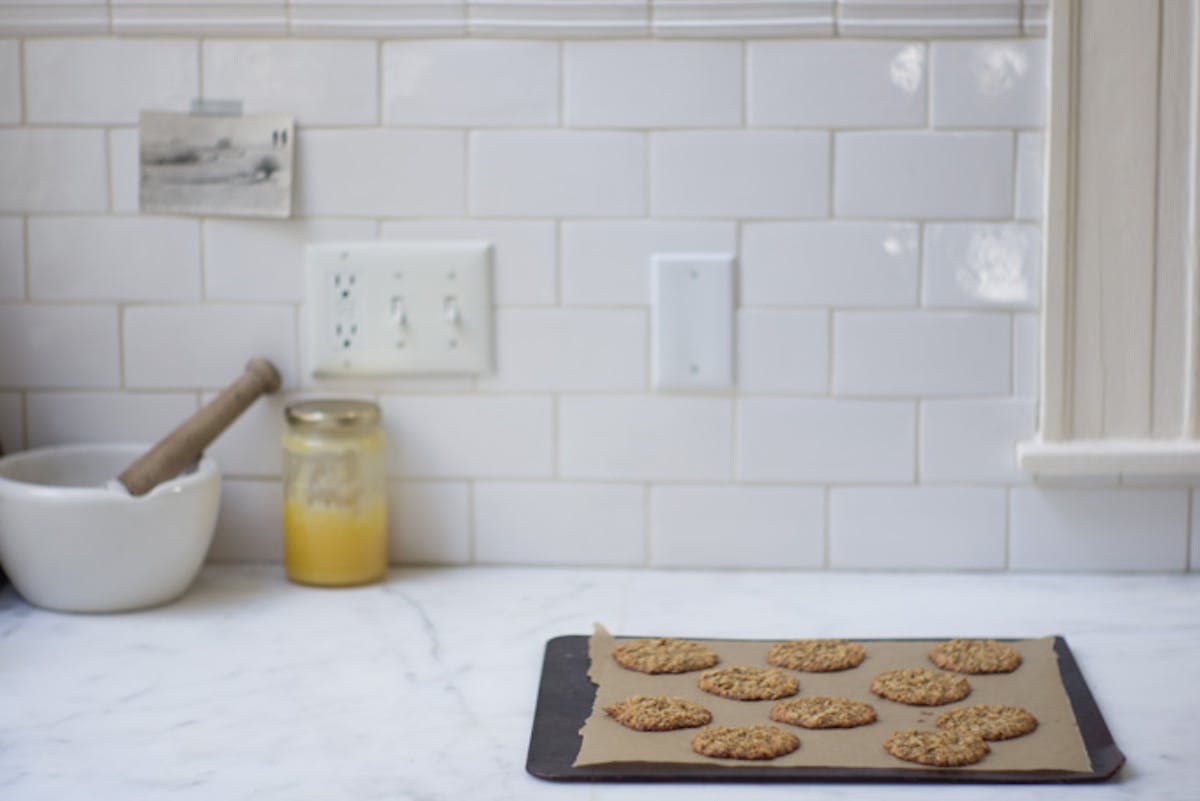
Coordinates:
[334,545]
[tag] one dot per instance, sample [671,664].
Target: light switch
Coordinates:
[693,321]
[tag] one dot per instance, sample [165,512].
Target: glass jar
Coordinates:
[335,493]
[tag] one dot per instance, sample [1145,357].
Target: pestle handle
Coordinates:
[183,446]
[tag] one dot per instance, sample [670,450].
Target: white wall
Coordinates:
[882,197]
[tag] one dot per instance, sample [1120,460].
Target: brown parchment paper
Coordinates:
[1036,686]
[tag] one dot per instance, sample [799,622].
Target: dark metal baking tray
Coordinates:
[566,695]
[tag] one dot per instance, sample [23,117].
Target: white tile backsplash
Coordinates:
[822,441]
[53,170]
[923,174]
[12,258]
[559,523]
[609,262]
[738,527]
[10,81]
[649,84]
[739,174]
[917,528]
[830,264]
[429,523]
[317,82]
[90,258]
[107,81]
[645,438]
[921,353]
[879,85]
[478,83]
[557,173]
[62,418]
[983,84]
[882,198]
[1099,529]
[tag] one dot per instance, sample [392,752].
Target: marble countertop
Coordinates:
[423,687]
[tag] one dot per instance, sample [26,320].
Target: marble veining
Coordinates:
[423,687]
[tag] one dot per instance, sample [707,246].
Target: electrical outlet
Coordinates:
[391,308]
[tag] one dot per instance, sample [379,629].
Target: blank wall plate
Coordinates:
[693,321]
[392,308]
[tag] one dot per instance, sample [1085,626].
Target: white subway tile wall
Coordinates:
[883,198]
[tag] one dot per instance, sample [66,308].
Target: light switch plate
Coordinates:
[397,308]
[693,320]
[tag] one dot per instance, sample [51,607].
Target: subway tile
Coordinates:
[186,17]
[743,18]
[989,84]
[559,523]
[445,436]
[652,84]
[830,264]
[645,438]
[609,262]
[1026,354]
[1099,529]
[558,173]
[107,81]
[559,18]
[10,81]
[57,418]
[783,351]
[252,445]
[523,253]
[1031,169]
[923,174]
[579,350]
[931,18]
[218,340]
[825,441]
[739,174]
[917,528]
[46,169]
[318,82]
[429,523]
[921,353]
[737,527]
[378,19]
[124,169]
[59,346]
[470,82]
[373,173]
[974,441]
[12,423]
[970,265]
[253,260]
[878,84]
[1194,547]
[250,523]
[91,258]
[12,258]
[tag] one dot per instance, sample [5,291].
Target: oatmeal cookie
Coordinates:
[975,656]
[818,712]
[920,687]
[745,742]
[749,683]
[942,749]
[658,713]
[664,655]
[989,721]
[816,656]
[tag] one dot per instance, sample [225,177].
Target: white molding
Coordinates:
[1132,457]
[757,18]
[929,17]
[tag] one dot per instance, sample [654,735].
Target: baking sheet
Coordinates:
[566,697]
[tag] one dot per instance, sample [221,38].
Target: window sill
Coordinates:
[1109,457]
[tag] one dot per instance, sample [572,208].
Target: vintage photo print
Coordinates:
[218,165]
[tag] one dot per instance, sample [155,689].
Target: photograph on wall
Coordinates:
[220,165]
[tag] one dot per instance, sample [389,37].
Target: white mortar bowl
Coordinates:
[71,541]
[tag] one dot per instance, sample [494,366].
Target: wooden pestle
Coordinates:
[183,446]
